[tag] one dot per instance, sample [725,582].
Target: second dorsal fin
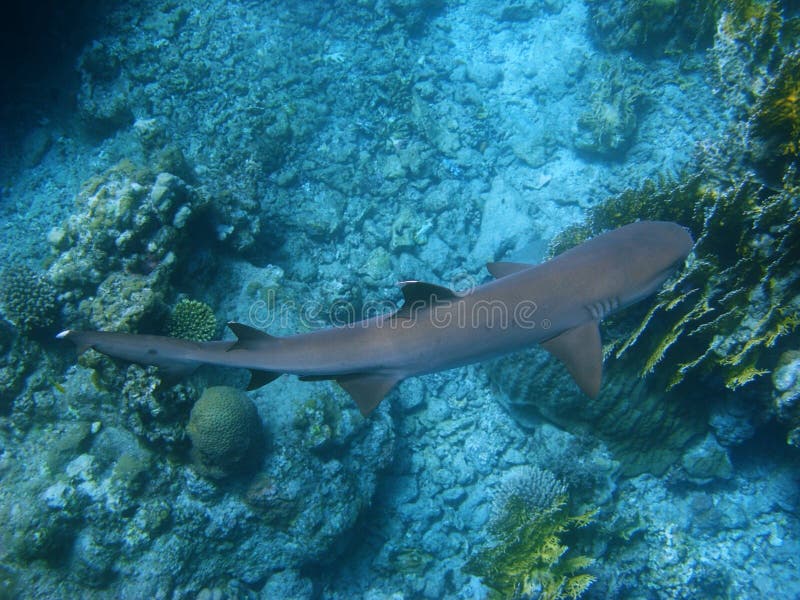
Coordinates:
[249,337]
[420,294]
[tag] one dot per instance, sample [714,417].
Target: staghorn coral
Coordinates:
[29,299]
[192,320]
[225,430]
[529,523]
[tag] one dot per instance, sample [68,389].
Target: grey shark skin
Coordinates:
[557,304]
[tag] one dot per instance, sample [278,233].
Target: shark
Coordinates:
[557,304]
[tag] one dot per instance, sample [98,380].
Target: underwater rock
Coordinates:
[735,418]
[504,222]
[786,394]
[288,584]
[103,98]
[707,461]
[525,10]
[125,301]
[19,359]
[154,412]
[91,563]
[484,75]
[653,26]
[646,429]
[225,430]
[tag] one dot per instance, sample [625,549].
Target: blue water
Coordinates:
[274,160]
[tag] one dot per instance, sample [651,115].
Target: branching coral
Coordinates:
[29,299]
[530,522]
[192,320]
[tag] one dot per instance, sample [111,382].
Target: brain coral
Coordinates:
[225,430]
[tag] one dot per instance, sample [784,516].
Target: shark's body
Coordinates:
[557,304]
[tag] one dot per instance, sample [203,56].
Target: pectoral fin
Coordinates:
[367,389]
[581,352]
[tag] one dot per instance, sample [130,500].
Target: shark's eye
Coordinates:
[152,352]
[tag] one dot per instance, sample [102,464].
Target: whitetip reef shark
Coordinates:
[557,304]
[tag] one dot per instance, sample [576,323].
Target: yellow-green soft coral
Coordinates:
[529,554]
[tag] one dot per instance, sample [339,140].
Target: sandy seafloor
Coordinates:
[444,138]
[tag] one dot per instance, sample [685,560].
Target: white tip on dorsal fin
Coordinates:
[581,352]
[503,269]
[420,294]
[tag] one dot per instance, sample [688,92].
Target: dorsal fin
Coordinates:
[420,294]
[503,269]
[249,337]
[582,353]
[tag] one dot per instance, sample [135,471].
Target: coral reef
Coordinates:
[786,393]
[29,300]
[192,320]
[154,412]
[529,557]
[775,124]
[653,26]
[114,256]
[751,39]
[225,430]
